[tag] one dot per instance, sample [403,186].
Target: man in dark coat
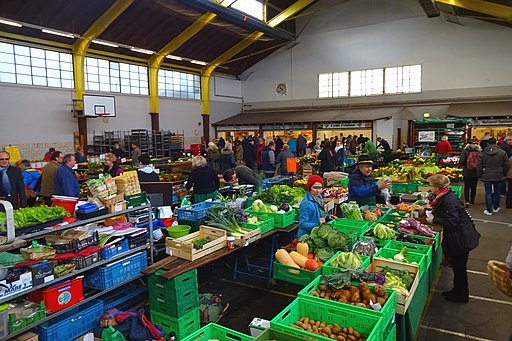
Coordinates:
[507,145]
[279,144]
[66,183]
[11,183]
[268,158]
[302,144]
[250,154]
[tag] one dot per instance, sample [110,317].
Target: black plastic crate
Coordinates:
[92,214]
[83,261]
[76,246]
[136,241]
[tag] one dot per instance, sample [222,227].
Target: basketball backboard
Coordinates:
[99,106]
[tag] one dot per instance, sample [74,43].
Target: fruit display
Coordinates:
[340,192]
[373,215]
[416,170]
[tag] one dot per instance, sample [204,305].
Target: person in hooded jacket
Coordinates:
[203,179]
[282,160]
[213,155]
[362,188]
[327,158]
[146,172]
[227,158]
[469,173]
[268,157]
[492,169]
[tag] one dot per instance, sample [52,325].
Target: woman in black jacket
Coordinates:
[459,234]
[327,158]
[203,179]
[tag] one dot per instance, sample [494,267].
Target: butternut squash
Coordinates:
[298,258]
[283,257]
[303,249]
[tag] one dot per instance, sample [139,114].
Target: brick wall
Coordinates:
[36,151]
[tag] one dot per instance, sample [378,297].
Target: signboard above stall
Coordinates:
[344,125]
[491,122]
[291,126]
[238,128]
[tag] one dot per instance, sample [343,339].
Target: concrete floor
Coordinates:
[487,316]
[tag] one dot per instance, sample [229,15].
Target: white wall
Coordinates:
[363,34]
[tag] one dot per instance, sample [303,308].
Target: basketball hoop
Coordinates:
[104,116]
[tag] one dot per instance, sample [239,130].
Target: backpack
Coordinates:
[472,160]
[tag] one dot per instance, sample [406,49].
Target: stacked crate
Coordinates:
[128,183]
[174,303]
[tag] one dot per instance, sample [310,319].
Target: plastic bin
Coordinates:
[266,224]
[59,296]
[117,272]
[175,297]
[123,296]
[368,325]
[4,320]
[136,199]
[196,211]
[457,190]
[82,261]
[271,334]
[426,250]
[68,203]
[69,327]
[213,331]
[359,226]
[19,322]
[328,269]
[112,250]
[386,313]
[294,275]
[405,187]
[182,327]
[177,285]
[280,220]
[75,246]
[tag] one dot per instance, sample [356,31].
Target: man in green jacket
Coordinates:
[370,149]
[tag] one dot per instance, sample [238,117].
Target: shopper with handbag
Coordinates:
[459,234]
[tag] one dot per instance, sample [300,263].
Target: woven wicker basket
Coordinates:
[69,269]
[499,274]
[41,252]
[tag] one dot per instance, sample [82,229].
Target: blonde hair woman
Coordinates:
[111,166]
[203,180]
[459,234]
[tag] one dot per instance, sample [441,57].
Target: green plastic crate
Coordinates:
[359,226]
[182,327]
[18,323]
[436,239]
[271,334]
[388,254]
[178,285]
[368,325]
[214,331]
[266,224]
[426,250]
[175,307]
[328,269]
[405,187]
[136,199]
[386,314]
[392,334]
[294,275]
[280,220]
[457,190]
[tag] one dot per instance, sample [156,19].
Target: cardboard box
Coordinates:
[258,326]
[28,336]
[10,286]
[42,273]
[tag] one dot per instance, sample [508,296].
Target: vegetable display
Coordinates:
[35,215]
[199,243]
[332,331]
[344,278]
[279,194]
[351,211]
[372,215]
[399,280]
[346,260]
[402,256]
[324,241]
[383,232]
[297,260]
[412,226]
[259,206]
[224,218]
[361,296]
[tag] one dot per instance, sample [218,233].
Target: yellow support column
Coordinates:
[485,7]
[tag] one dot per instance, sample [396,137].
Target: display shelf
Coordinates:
[95,295]
[74,273]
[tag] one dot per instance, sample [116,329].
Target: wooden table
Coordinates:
[175,266]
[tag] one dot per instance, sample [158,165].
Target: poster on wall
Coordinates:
[426,136]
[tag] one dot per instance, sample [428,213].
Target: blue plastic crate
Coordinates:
[196,211]
[125,294]
[69,327]
[117,272]
[110,251]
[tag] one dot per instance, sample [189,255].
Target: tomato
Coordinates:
[311,255]
[311,265]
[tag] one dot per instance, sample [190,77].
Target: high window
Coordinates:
[254,8]
[32,66]
[110,76]
[178,84]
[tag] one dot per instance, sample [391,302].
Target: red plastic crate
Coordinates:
[59,296]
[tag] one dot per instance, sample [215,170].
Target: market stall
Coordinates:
[288,131]
[233,131]
[344,129]
[497,128]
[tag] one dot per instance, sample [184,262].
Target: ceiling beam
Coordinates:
[239,18]
[485,7]
[233,51]
[156,60]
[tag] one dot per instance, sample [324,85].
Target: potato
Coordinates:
[350,330]
[336,329]
[356,334]
[352,337]
[379,290]
[341,338]
[323,287]
[327,330]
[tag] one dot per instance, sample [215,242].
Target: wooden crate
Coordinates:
[183,248]
[402,302]
[118,207]
[249,237]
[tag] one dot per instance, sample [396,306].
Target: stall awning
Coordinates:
[370,114]
[472,110]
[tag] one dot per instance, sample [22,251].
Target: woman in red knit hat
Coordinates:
[311,211]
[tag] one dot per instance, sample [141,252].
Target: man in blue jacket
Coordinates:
[66,183]
[362,188]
